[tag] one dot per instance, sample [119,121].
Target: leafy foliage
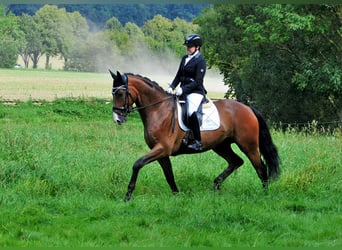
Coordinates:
[99,14]
[33,46]
[164,35]
[10,39]
[284,59]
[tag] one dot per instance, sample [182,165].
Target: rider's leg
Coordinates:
[194,124]
[194,100]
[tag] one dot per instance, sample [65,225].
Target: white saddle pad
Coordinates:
[210,119]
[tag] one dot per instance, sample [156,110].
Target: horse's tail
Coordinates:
[267,148]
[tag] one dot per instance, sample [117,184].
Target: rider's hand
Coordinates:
[179,92]
[169,90]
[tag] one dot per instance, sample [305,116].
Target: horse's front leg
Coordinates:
[165,163]
[131,186]
[156,153]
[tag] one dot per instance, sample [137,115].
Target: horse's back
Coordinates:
[237,117]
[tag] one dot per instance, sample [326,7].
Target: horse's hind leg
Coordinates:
[234,161]
[165,163]
[254,156]
[259,166]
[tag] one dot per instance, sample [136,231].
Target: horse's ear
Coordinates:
[123,78]
[112,74]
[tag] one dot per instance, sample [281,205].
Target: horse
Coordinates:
[239,124]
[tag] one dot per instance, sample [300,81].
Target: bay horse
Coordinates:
[239,124]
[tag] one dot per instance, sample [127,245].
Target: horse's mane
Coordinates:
[148,81]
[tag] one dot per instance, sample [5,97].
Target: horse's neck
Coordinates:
[151,102]
[148,97]
[153,106]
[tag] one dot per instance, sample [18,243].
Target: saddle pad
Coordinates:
[210,119]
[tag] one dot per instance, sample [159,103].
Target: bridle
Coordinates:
[125,109]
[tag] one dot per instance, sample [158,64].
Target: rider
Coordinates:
[190,74]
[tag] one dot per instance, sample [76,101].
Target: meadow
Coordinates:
[65,166]
[30,84]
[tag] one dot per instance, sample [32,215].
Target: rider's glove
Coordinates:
[179,92]
[169,90]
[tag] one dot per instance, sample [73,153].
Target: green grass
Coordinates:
[64,170]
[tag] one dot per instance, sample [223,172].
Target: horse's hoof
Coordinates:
[128,197]
[217,187]
[175,192]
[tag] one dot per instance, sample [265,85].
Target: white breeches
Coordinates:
[193,100]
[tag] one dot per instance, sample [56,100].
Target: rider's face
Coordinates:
[191,49]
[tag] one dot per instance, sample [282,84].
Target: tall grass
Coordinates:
[64,169]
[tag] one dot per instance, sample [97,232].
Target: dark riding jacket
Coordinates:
[191,75]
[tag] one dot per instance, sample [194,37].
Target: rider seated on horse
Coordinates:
[190,75]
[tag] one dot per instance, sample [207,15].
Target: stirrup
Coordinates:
[197,145]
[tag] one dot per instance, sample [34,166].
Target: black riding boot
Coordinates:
[195,127]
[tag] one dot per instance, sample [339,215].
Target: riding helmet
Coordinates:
[193,40]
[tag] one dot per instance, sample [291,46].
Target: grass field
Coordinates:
[20,84]
[26,84]
[64,170]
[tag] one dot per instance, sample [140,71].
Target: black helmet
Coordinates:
[193,40]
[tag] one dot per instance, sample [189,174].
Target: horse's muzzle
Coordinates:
[119,119]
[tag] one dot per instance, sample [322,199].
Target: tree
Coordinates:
[116,33]
[158,32]
[53,25]
[78,34]
[32,47]
[135,34]
[165,36]
[283,59]
[181,28]
[10,40]
[135,40]
[57,33]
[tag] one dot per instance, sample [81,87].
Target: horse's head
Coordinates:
[122,100]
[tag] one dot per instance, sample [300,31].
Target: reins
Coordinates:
[156,103]
[151,104]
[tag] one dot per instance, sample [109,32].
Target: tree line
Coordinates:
[284,59]
[53,31]
[98,14]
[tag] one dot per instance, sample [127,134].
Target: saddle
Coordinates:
[208,115]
